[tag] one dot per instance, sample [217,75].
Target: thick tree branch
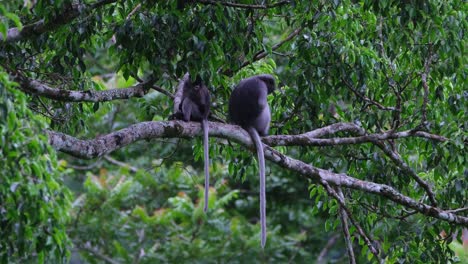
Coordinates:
[68,14]
[38,88]
[148,130]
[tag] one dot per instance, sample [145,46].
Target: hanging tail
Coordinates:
[261,167]
[206,153]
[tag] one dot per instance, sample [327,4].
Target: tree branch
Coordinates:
[424,75]
[324,252]
[407,170]
[345,214]
[347,235]
[121,164]
[307,139]
[365,98]
[148,130]
[97,254]
[310,139]
[69,13]
[262,54]
[38,88]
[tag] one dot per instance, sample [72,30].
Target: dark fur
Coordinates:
[248,107]
[195,106]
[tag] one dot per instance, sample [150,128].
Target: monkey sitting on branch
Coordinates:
[192,103]
[248,107]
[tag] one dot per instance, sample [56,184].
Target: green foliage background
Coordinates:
[148,211]
[34,203]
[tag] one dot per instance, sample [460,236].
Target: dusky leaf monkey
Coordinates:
[248,107]
[192,103]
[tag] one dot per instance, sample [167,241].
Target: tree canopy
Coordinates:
[366,158]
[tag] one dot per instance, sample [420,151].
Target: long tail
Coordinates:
[261,165]
[206,152]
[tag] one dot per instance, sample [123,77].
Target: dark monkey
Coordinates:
[248,107]
[192,103]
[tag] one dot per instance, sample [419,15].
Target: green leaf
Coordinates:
[3,30]
[15,20]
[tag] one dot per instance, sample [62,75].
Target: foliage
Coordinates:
[34,204]
[384,65]
[162,210]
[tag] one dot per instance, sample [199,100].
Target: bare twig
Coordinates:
[365,98]
[97,254]
[427,64]
[459,210]
[121,164]
[137,7]
[156,88]
[85,167]
[326,248]
[262,54]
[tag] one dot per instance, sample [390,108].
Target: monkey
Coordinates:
[192,103]
[248,107]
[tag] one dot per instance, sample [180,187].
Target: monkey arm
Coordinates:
[187,109]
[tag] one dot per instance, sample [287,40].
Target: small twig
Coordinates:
[155,87]
[133,11]
[424,76]
[405,214]
[97,254]
[262,54]
[324,252]
[459,210]
[86,167]
[365,98]
[121,164]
